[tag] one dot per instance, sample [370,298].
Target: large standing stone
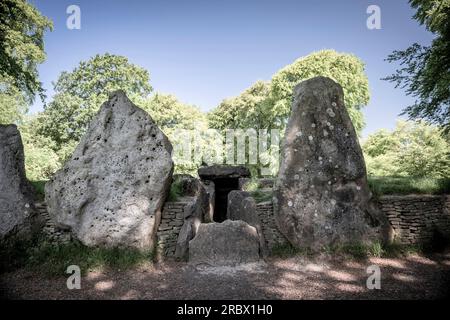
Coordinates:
[111,191]
[17,215]
[321,194]
[224,244]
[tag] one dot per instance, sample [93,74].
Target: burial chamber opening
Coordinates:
[223,187]
[225,179]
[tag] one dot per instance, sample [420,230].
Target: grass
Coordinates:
[286,250]
[261,196]
[355,250]
[52,259]
[39,187]
[408,185]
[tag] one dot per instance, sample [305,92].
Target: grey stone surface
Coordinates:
[321,194]
[110,193]
[224,244]
[242,206]
[18,217]
[223,171]
[211,192]
[194,212]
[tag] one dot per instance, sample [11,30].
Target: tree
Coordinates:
[268,105]
[22,30]
[80,93]
[425,70]
[171,115]
[13,104]
[411,149]
[345,69]
[41,161]
[243,111]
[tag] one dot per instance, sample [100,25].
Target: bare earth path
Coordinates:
[413,277]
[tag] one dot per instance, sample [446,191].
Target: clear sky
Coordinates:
[208,50]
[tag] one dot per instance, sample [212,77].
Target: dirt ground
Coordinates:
[411,277]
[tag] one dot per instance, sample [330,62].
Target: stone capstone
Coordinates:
[18,217]
[111,191]
[321,195]
[224,244]
[223,171]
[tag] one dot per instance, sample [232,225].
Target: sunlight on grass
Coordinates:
[409,185]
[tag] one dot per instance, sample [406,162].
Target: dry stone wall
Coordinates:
[417,218]
[272,235]
[172,219]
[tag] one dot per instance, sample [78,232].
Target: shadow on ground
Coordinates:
[412,277]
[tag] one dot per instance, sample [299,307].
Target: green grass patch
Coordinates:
[286,250]
[262,196]
[52,259]
[357,251]
[176,191]
[39,188]
[408,185]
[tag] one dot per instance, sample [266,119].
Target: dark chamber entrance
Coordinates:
[223,188]
[226,179]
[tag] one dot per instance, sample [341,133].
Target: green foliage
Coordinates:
[409,185]
[425,70]
[41,161]
[245,110]
[411,149]
[13,104]
[22,29]
[80,93]
[286,250]
[40,255]
[268,104]
[176,191]
[39,188]
[346,69]
[171,115]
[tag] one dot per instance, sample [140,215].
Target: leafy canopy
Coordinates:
[22,29]
[268,105]
[80,93]
[411,149]
[425,70]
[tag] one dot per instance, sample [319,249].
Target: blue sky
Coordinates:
[205,51]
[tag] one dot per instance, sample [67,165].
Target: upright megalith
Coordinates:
[321,193]
[17,215]
[111,191]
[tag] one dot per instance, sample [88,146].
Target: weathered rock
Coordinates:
[224,244]
[321,194]
[242,206]
[211,192]
[111,191]
[194,213]
[223,171]
[18,217]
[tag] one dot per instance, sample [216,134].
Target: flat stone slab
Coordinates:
[228,243]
